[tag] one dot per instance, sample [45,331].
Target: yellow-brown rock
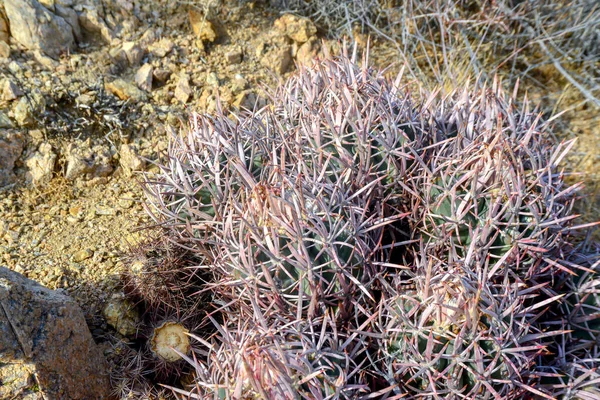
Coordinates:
[202,27]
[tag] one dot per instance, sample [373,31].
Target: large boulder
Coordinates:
[38,28]
[46,349]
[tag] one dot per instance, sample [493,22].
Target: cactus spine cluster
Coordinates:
[357,243]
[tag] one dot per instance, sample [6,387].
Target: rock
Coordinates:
[4,49]
[91,21]
[84,99]
[71,18]
[148,38]
[11,147]
[133,52]
[161,48]
[10,90]
[36,28]
[307,52]
[45,343]
[278,58]
[49,4]
[161,75]
[234,56]
[82,255]
[246,99]
[119,57]
[29,107]
[125,90]
[4,30]
[299,29]
[238,84]
[5,121]
[88,162]
[143,77]
[183,91]
[46,61]
[202,27]
[41,165]
[121,315]
[129,159]
[212,79]
[23,113]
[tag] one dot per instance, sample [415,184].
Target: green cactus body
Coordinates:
[441,357]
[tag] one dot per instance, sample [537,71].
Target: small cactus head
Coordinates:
[169,340]
[162,275]
[458,334]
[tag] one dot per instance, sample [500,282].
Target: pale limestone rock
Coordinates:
[129,159]
[183,91]
[143,77]
[37,28]
[41,165]
[86,161]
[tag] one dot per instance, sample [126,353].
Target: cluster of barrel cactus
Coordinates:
[350,242]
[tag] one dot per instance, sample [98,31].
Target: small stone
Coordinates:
[162,47]
[91,21]
[125,203]
[212,79]
[15,67]
[130,160]
[102,210]
[4,28]
[4,49]
[84,161]
[299,29]
[133,52]
[10,90]
[119,56]
[41,165]
[143,77]
[29,107]
[183,91]
[76,211]
[5,121]
[245,99]
[307,52]
[238,84]
[148,38]
[121,315]
[234,56]
[279,59]
[82,255]
[84,99]
[45,61]
[125,90]
[161,75]
[203,28]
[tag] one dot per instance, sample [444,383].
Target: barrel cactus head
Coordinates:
[454,334]
[162,276]
[305,361]
[285,197]
[496,195]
